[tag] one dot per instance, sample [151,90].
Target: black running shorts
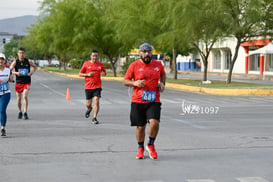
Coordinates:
[90,93]
[142,112]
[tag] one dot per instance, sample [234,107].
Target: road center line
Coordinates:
[187,123]
[51,89]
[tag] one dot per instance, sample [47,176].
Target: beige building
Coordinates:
[256,64]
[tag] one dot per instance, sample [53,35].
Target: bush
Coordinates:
[75,63]
[125,66]
[107,65]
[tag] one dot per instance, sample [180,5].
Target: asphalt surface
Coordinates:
[202,138]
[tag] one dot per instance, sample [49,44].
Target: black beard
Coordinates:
[147,61]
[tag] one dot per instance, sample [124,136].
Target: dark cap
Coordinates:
[145,46]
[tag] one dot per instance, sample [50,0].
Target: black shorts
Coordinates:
[142,112]
[90,93]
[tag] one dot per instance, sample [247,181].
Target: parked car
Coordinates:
[55,62]
[42,63]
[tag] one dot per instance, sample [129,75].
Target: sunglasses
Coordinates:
[148,51]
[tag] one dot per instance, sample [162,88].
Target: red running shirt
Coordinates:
[150,73]
[94,81]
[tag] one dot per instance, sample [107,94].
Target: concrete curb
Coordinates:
[212,91]
[227,92]
[234,75]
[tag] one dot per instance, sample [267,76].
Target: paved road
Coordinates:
[203,138]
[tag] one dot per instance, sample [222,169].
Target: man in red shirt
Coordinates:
[92,71]
[147,77]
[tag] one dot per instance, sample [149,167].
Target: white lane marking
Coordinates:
[188,123]
[170,101]
[149,181]
[55,91]
[241,179]
[200,180]
[252,179]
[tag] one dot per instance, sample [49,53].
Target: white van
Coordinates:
[55,62]
[42,63]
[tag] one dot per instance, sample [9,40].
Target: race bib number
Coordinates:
[148,95]
[24,71]
[4,87]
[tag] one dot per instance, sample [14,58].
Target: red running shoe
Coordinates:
[140,153]
[151,150]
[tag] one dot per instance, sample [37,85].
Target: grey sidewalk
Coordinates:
[257,79]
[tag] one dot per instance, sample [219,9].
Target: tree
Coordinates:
[135,22]
[170,37]
[10,49]
[244,20]
[37,46]
[39,38]
[72,28]
[52,35]
[97,30]
[61,23]
[142,20]
[197,22]
[173,26]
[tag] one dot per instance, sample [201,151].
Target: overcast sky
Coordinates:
[15,8]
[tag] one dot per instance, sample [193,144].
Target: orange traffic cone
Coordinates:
[67,94]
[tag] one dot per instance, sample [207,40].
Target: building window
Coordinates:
[217,60]
[254,64]
[228,59]
[269,62]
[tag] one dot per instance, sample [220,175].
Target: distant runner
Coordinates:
[23,74]
[92,71]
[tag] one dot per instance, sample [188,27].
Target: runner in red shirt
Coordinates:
[92,71]
[147,77]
